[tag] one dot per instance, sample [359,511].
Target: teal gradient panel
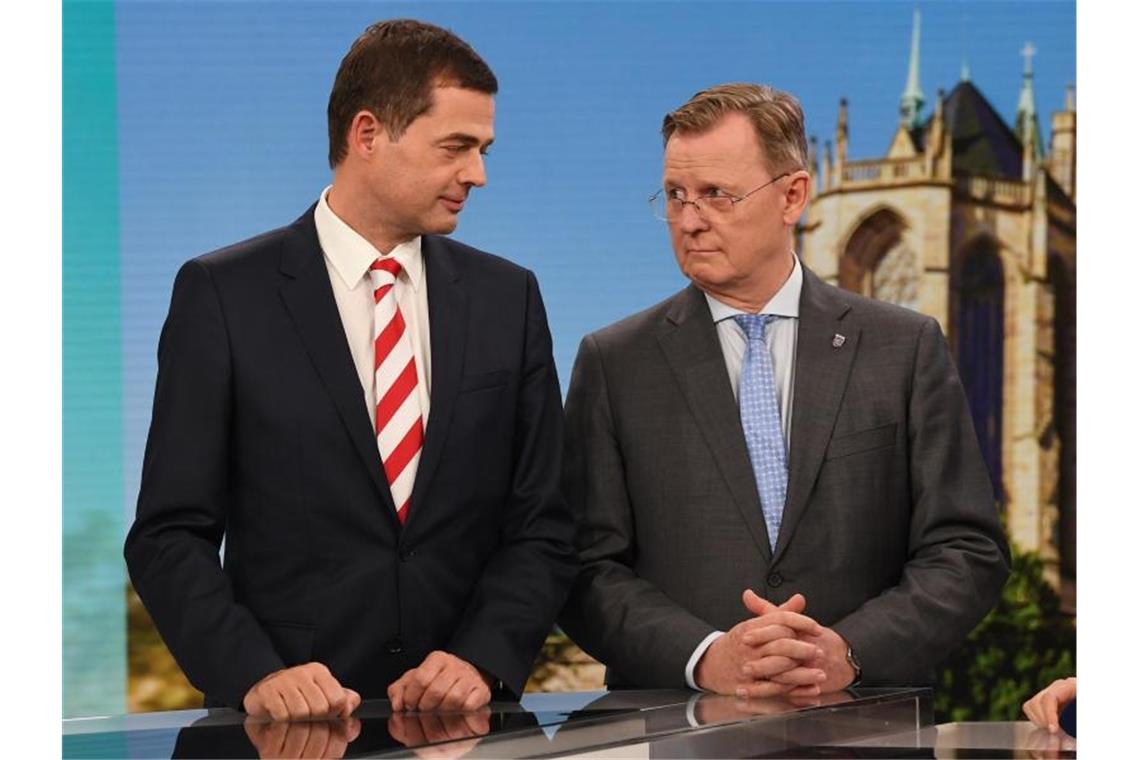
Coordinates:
[94,577]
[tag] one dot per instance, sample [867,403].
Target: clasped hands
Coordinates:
[777,652]
[441,682]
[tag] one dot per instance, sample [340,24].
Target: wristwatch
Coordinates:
[854,663]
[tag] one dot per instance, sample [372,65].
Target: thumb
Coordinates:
[351,703]
[757,605]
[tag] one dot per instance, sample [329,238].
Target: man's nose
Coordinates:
[691,220]
[474,172]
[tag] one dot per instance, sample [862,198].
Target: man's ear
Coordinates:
[796,192]
[365,133]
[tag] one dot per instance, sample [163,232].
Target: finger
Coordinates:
[295,701]
[275,704]
[796,621]
[793,648]
[812,692]
[455,696]
[1049,711]
[351,702]
[797,603]
[767,667]
[801,676]
[315,698]
[419,680]
[410,730]
[1033,711]
[756,604]
[455,726]
[254,704]
[398,728]
[757,706]
[275,740]
[432,698]
[1039,711]
[259,736]
[338,744]
[396,691]
[804,700]
[296,737]
[755,636]
[254,729]
[254,700]
[478,698]
[762,689]
[434,730]
[334,694]
[478,721]
[316,744]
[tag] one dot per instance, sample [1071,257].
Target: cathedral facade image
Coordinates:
[973,221]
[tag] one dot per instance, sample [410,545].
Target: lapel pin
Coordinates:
[838,341]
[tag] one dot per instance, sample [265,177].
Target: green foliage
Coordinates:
[1023,645]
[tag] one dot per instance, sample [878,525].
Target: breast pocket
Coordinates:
[880,437]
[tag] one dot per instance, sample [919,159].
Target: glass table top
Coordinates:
[658,723]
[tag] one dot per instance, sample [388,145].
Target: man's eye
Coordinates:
[454,149]
[715,192]
[676,194]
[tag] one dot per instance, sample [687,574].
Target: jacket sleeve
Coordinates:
[172,547]
[643,636]
[524,585]
[958,558]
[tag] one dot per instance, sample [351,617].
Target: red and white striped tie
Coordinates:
[399,420]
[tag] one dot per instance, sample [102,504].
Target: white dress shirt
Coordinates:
[348,257]
[781,340]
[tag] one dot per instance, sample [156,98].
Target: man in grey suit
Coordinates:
[778,486]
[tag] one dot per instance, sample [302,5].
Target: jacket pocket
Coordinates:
[865,440]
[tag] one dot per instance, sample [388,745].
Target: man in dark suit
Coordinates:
[761,431]
[368,414]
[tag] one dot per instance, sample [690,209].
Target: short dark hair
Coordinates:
[391,71]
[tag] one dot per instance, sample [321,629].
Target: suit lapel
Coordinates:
[692,349]
[820,380]
[308,297]
[447,316]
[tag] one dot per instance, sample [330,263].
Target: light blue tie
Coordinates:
[760,417]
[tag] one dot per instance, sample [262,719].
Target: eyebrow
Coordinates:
[466,139]
[701,186]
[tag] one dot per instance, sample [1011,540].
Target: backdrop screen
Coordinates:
[189,126]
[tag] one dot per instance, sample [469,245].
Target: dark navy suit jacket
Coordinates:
[260,435]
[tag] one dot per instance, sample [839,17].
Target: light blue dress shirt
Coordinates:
[781,339]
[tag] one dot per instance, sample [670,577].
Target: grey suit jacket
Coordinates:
[890,528]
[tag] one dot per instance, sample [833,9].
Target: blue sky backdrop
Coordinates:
[222,130]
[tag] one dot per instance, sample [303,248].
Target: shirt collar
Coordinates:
[786,302]
[351,255]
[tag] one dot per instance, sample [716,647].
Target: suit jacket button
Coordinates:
[405,554]
[775,579]
[395,646]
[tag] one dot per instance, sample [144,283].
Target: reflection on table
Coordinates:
[658,723]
